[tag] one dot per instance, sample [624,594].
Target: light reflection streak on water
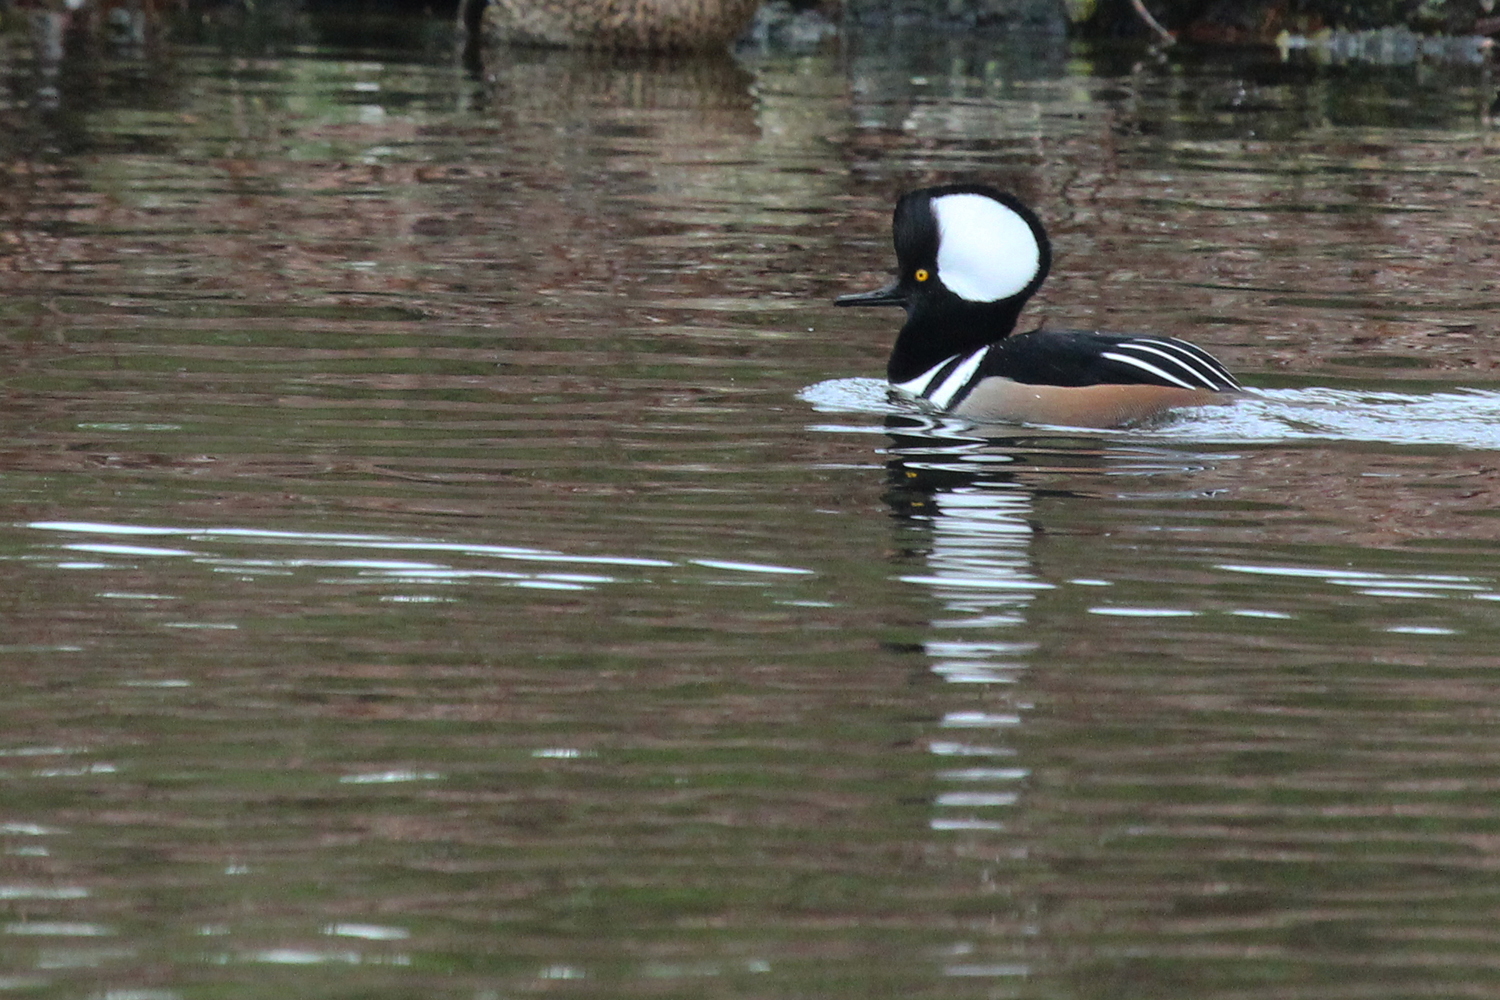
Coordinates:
[14,892]
[1371,583]
[368,932]
[337,539]
[408,571]
[55,928]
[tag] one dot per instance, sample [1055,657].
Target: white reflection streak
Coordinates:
[564,572]
[979,569]
[1401,586]
[980,564]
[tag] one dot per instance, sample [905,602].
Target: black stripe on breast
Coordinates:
[942,374]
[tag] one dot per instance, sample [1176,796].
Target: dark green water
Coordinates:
[453,551]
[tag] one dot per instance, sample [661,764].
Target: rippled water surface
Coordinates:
[454,549]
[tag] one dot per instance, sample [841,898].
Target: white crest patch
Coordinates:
[986,252]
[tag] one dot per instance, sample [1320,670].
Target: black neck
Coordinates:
[934,335]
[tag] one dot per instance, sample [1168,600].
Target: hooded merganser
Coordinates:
[970,256]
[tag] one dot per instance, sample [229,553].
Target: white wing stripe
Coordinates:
[1189,362]
[1217,372]
[1198,356]
[1146,366]
[943,394]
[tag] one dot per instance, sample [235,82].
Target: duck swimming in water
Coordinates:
[969,257]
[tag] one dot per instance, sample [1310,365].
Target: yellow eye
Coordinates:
[921,274]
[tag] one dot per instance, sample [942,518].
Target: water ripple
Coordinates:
[1459,418]
[407,571]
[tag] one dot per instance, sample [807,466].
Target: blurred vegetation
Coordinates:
[1223,21]
[1262,20]
[252,23]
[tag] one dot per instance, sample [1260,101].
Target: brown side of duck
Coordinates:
[1004,401]
[643,25]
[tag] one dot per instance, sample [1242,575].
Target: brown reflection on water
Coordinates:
[1318,494]
[1310,494]
[429,271]
[511,627]
[1253,756]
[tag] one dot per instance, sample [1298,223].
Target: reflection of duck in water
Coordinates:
[643,25]
[963,533]
[970,256]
